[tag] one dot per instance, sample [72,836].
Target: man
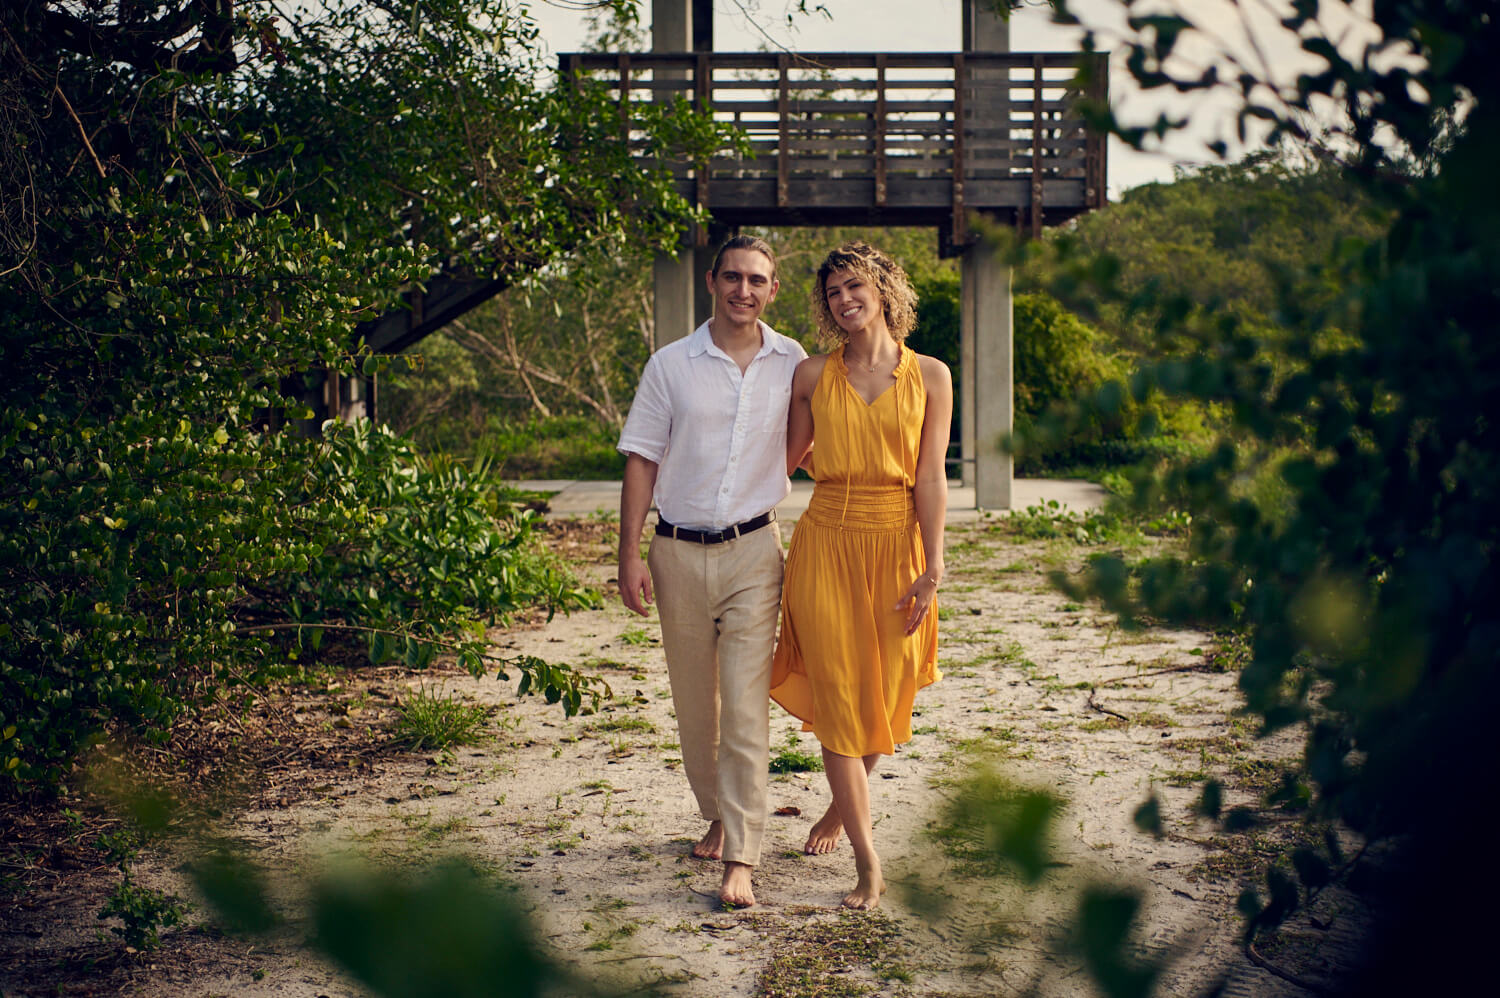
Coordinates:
[706,438]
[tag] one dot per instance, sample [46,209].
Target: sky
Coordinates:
[935,25]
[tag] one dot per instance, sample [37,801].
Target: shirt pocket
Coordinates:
[778,399]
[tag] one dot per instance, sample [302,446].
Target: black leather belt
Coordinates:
[715,536]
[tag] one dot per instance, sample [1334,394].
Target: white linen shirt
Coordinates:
[718,437]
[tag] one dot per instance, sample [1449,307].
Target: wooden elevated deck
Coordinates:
[878,138]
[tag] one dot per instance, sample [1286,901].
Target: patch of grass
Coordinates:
[439,830]
[792,759]
[636,636]
[1151,719]
[621,724]
[1211,749]
[963,549]
[1237,856]
[1262,775]
[824,958]
[609,904]
[430,720]
[1004,653]
[597,663]
[1185,777]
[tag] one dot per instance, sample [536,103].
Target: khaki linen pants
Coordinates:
[718,605]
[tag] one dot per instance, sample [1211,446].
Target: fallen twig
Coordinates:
[1285,975]
[1190,667]
[1105,710]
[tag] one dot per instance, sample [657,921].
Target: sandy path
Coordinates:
[591,816]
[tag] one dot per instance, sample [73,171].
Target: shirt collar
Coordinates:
[701,341]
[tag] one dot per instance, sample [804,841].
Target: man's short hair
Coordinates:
[746,243]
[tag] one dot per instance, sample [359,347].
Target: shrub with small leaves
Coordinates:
[190,238]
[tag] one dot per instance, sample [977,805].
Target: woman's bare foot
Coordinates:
[711,846]
[735,888]
[866,893]
[825,835]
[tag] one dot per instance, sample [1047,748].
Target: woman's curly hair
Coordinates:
[897,298]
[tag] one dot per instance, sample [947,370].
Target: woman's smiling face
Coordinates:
[852,300]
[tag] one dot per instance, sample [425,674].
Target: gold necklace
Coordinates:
[872,368]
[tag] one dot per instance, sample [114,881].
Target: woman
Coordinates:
[859,614]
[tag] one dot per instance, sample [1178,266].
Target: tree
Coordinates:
[1223,238]
[1368,602]
[201,201]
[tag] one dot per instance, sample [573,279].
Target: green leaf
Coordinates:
[1211,802]
[1147,816]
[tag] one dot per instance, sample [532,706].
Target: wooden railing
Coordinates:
[895,137]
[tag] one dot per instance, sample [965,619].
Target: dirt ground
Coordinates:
[591,816]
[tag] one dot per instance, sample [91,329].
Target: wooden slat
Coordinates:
[959,169]
[1036,154]
[839,60]
[1094,191]
[624,67]
[782,193]
[702,98]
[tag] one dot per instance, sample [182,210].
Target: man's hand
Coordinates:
[635,584]
[635,500]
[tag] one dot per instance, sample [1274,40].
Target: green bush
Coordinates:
[1365,580]
[242,550]
[556,447]
[143,912]
[195,244]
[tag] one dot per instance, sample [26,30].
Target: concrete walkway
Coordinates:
[576,498]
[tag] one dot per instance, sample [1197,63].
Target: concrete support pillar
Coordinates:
[984,30]
[672,25]
[675,281]
[987,322]
[987,392]
[703,261]
[966,322]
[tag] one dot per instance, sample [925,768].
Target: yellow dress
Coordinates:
[843,662]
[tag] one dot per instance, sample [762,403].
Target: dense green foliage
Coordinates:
[1227,239]
[1368,599]
[198,206]
[537,380]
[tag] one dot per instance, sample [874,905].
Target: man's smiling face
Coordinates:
[743,287]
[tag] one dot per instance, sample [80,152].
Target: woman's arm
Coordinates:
[799,419]
[930,490]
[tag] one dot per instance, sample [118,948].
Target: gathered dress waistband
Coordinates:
[862,507]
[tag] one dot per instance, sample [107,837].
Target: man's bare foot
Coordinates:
[735,888]
[866,893]
[825,835]
[711,846]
